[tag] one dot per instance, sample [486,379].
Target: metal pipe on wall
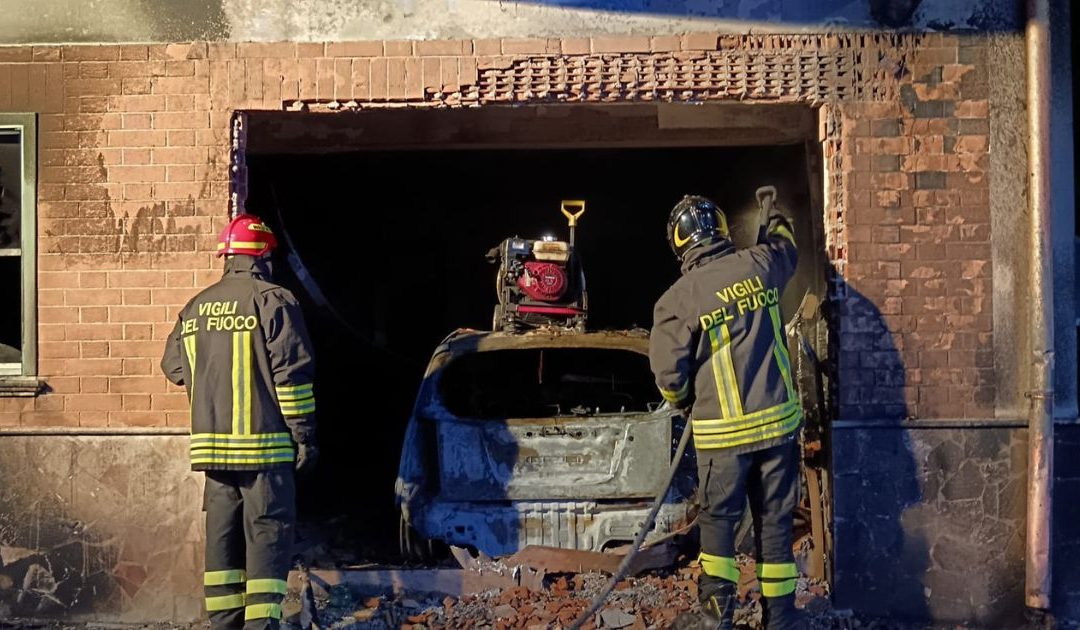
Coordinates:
[1041,415]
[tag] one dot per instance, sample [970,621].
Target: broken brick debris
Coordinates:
[654,600]
[539,588]
[556,560]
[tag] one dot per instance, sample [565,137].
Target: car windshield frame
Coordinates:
[460,348]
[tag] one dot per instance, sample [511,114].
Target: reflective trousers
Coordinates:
[250,516]
[769,478]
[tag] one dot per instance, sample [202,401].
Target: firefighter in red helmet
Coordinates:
[241,349]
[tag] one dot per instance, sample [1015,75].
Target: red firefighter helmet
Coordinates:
[248,235]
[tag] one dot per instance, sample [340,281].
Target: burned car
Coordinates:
[549,437]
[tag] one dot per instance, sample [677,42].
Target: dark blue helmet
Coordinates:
[694,221]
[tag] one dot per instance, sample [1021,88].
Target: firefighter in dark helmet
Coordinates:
[718,352]
[241,350]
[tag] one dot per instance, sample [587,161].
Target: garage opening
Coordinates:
[393,211]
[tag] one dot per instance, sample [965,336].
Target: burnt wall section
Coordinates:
[1008,218]
[910,237]
[100,528]
[929,522]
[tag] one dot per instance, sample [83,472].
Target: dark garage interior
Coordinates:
[395,232]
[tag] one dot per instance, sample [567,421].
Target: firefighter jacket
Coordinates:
[242,351]
[718,342]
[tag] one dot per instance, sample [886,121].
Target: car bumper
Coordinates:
[503,529]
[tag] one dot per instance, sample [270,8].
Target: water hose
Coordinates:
[624,566]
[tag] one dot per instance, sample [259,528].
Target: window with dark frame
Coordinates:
[18,326]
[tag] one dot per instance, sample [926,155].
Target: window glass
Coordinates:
[10,190]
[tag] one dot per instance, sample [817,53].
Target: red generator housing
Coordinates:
[540,283]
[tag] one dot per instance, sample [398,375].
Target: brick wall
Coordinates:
[134,185]
[916,338]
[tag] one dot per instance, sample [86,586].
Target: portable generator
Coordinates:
[540,282]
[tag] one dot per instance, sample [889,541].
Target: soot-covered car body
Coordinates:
[552,437]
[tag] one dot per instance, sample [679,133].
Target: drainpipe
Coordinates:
[1041,415]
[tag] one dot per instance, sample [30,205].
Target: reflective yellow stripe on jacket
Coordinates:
[296,400]
[773,423]
[226,449]
[676,396]
[727,385]
[241,382]
[734,427]
[189,349]
[780,351]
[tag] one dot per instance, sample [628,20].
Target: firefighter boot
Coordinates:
[718,602]
[780,613]
[719,598]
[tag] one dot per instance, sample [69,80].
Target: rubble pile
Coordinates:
[636,603]
[651,601]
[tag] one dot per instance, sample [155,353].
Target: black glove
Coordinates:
[307,454]
[685,406]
